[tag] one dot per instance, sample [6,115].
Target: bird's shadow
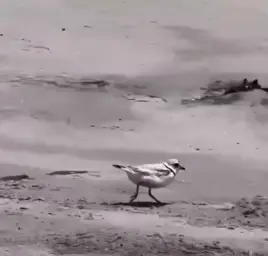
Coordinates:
[141,204]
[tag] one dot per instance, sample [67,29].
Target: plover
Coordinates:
[151,176]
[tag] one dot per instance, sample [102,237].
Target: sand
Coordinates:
[87,84]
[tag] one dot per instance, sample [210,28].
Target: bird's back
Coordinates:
[148,175]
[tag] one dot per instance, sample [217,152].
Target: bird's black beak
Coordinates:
[182,168]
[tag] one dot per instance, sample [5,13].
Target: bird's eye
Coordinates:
[176,165]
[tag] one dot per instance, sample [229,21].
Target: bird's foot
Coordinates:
[132,198]
[160,203]
[154,198]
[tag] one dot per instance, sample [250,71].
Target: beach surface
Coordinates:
[88,84]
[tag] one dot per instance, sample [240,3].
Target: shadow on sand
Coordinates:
[141,204]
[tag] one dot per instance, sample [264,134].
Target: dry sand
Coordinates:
[86,84]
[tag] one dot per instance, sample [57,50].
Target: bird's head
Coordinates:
[175,164]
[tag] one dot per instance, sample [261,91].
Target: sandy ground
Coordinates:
[86,84]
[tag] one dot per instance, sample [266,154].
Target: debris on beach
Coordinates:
[257,207]
[252,213]
[216,92]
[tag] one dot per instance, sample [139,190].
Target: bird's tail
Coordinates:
[127,169]
[118,166]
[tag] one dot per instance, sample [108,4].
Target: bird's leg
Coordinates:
[151,195]
[132,198]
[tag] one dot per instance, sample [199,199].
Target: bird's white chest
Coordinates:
[151,181]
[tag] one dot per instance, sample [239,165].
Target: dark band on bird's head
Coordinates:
[169,168]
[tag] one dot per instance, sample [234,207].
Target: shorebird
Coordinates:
[151,176]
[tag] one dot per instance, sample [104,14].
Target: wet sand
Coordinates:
[107,89]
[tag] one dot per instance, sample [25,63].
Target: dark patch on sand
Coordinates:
[66,172]
[15,177]
[80,83]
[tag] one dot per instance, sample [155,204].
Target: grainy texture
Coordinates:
[88,84]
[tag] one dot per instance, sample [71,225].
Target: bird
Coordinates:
[151,176]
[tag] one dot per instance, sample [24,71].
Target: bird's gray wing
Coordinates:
[147,171]
[153,171]
[143,171]
[162,172]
